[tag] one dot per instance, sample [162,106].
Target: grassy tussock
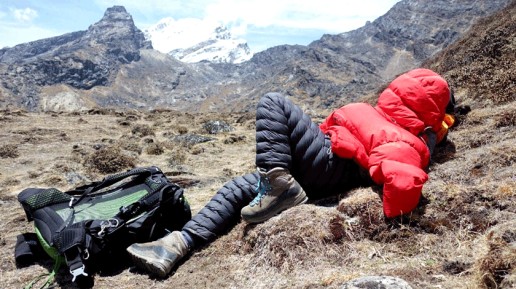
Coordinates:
[497,267]
[9,151]
[108,160]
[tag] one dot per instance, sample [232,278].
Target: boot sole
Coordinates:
[301,198]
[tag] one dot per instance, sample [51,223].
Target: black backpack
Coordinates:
[90,227]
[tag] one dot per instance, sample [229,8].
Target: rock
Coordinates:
[376,282]
[73,178]
[217,126]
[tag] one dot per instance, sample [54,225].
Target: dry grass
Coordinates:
[496,269]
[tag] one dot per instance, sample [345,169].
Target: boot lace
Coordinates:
[263,187]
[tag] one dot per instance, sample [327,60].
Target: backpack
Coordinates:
[90,227]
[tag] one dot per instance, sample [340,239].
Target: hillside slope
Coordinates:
[484,60]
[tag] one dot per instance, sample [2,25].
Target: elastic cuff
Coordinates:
[188,240]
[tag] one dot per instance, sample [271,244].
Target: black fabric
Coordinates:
[23,196]
[285,137]
[48,222]
[450,108]
[72,236]
[27,250]
[222,212]
[431,141]
[32,199]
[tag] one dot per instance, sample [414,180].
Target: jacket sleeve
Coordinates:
[398,167]
[343,143]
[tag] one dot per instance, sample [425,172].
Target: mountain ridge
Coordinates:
[331,71]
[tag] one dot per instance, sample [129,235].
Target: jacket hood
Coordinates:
[416,100]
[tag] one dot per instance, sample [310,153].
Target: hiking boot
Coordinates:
[160,256]
[277,191]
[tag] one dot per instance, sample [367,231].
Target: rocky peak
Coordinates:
[81,60]
[117,24]
[116,12]
[115,16]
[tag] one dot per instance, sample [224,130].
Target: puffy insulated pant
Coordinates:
[285,137]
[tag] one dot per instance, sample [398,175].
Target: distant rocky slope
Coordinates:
[111,64]
[80,60]
[487,66]
[340,68]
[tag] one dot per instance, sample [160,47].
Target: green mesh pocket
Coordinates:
[46,198]
[102,207]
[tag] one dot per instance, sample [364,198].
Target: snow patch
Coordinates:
[195,40]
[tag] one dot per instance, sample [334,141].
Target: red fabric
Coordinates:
[384,139]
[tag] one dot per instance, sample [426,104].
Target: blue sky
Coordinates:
[262,23]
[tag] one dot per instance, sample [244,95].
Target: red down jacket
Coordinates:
[384,139]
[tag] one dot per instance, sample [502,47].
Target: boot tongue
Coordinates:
[263,187]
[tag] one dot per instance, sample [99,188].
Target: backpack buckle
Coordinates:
[156,179]
[105,224]
[78,272]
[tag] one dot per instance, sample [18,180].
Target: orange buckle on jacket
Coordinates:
[448,122]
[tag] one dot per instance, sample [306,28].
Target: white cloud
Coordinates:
[148,12]
[329,15]
[16,27]
[25,14]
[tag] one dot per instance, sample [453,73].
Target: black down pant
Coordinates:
[285,137]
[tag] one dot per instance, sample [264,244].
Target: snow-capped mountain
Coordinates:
[195,40]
